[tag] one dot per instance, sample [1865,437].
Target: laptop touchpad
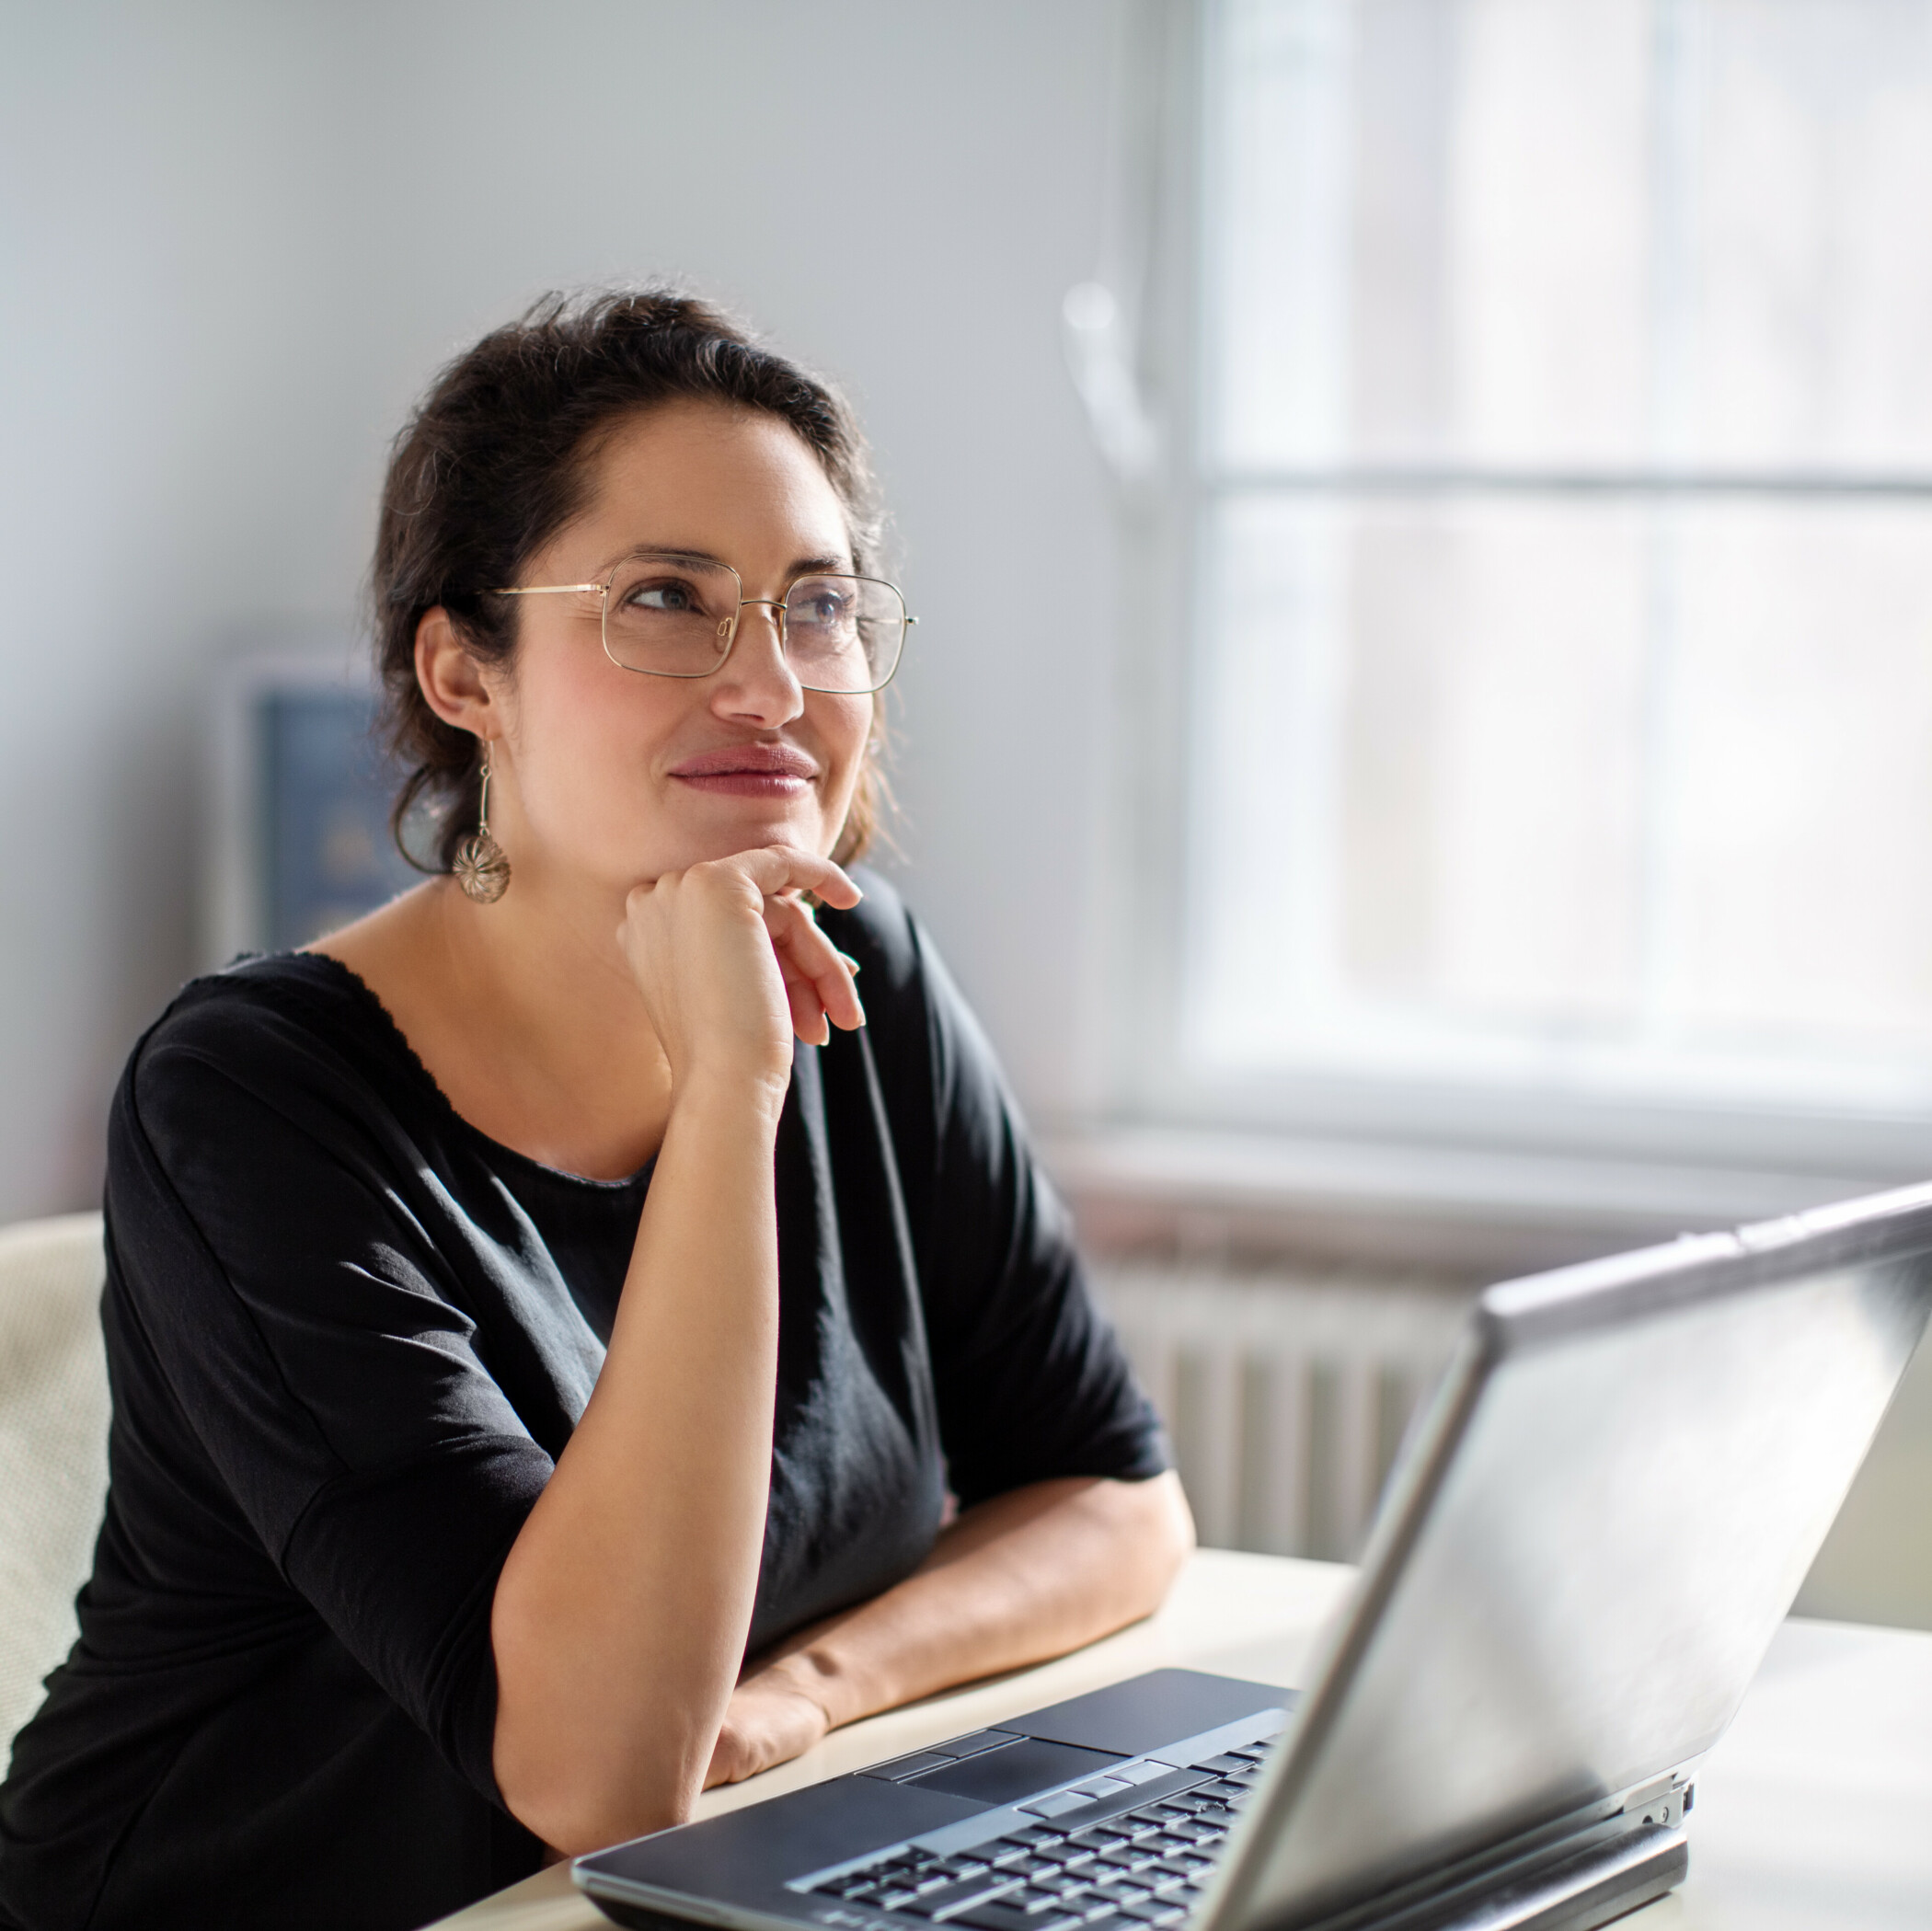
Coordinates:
[1016,1769]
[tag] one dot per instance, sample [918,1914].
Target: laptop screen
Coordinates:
[1589,1544]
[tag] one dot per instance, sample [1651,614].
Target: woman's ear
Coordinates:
[452,680]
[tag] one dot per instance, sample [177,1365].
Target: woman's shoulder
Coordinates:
[269,1019]
[932,1054]
[880,930]
[903,984]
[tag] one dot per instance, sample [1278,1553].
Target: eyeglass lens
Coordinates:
[674,617]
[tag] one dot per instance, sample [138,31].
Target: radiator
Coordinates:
[1286,1395]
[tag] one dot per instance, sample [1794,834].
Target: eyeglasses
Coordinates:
[668,616]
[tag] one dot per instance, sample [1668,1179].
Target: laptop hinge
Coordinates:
[1665,1801]
[1574,1892]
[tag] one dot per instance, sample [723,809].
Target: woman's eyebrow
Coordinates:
[802,566]
[671,553]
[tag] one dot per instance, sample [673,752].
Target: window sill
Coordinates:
[1233,1195]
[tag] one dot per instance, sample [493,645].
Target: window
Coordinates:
[1560,736]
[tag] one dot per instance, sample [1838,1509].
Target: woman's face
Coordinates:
[623,775]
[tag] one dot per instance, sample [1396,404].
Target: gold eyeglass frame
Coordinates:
[745,603]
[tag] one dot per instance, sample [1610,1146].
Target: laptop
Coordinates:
[1581,1554]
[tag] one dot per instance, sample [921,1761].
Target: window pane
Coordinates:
[1806,257]
[1592,795]
[1609,232]
[1544,267]
[1279,204]
[1422,807]
[1801,778]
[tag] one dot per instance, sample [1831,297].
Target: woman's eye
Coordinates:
[825,606]
[675,598]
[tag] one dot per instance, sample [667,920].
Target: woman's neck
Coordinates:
[525,1015]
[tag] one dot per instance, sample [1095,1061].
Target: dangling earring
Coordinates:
[482,867]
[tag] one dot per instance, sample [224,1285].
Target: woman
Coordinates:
[558,1287]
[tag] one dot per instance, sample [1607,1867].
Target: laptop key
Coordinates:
[964,1893]
[1158,1913]
[1165,1877]
[1195,1831]
[977,1744]
[1059,1804]
[1004,1917]
[899,1768]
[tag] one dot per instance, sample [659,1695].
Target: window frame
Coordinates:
[1162,651]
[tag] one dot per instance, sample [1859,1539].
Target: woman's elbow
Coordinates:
[582,1771]
[576,1813]
[1148,1536]
[1165,1531]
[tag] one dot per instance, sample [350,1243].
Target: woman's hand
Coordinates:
[1015,1580]
[770,1719]
[732,964]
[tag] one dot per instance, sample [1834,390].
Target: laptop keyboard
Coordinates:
[1144,1867]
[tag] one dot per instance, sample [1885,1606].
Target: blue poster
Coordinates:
[325,792]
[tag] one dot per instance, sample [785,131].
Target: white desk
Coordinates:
[1813,1815]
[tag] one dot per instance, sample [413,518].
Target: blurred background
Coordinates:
[1419,742]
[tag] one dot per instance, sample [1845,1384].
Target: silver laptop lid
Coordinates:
[1586,1546]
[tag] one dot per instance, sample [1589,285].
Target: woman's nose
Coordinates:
[756,680]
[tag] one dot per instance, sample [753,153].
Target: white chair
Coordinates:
[54,1445]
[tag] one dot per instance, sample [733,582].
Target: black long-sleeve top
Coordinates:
[348,1336]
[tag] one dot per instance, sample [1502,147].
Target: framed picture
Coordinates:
[299,839]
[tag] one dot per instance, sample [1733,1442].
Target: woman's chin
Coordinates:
[745,832]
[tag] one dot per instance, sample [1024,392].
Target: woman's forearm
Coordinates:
[1024,1577]
[620,1617]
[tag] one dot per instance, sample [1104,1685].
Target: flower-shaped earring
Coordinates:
[482,867]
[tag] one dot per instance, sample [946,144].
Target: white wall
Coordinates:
[235,240]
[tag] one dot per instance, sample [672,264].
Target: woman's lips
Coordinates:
[749,771]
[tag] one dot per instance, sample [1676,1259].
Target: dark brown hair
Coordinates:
[497,458]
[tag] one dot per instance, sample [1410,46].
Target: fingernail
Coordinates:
[850,965]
